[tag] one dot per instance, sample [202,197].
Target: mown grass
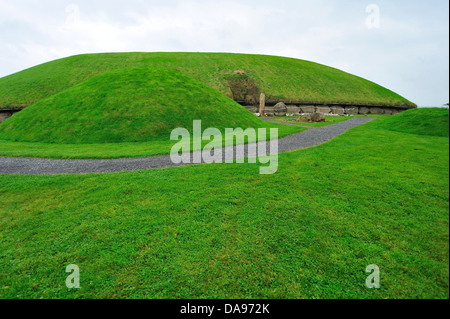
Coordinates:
[426,121]
[329,120]
[281,79]
[121,150]
[370,196]
[123,113]
[123,106]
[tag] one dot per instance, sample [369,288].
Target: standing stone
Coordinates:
[339,110]
[388,111]
[280,109]
[262,104]
[364,110]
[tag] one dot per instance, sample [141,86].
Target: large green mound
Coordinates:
[239,76]
[127,105]
[424,121]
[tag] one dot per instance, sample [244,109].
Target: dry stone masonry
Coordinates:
[281,109]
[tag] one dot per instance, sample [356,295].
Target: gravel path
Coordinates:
[38,166]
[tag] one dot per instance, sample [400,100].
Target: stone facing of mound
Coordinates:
[281,109]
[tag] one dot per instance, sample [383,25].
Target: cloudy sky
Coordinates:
[402,45]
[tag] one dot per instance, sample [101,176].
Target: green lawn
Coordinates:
[118,150]
[370,196]
[281,79]
[123,113]
[425,121]
[128,105]
[329,120]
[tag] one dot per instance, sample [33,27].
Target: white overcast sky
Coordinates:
[408,53]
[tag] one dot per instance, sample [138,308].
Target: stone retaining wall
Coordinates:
[281,109]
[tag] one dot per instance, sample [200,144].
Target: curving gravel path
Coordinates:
[39,166]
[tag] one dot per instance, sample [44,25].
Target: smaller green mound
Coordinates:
[127,105]
[424,121]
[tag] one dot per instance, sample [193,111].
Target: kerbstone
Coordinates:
[351,110]
[364,110]
[376,110]
[323,109]
[293,109]
[339,110]
[307,109]
[280,109]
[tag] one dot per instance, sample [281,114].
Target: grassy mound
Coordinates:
[127,105]
[239,76]
[426,121]
[224,231]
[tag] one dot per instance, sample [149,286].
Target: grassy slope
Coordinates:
[370,196]
[280,78]
[128,105]
[117,150]
[427,121]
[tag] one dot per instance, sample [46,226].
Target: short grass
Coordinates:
[120,150]
[329,120]
[370,196]
[426,121]
[372,115]
[123,106]
[281,79]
